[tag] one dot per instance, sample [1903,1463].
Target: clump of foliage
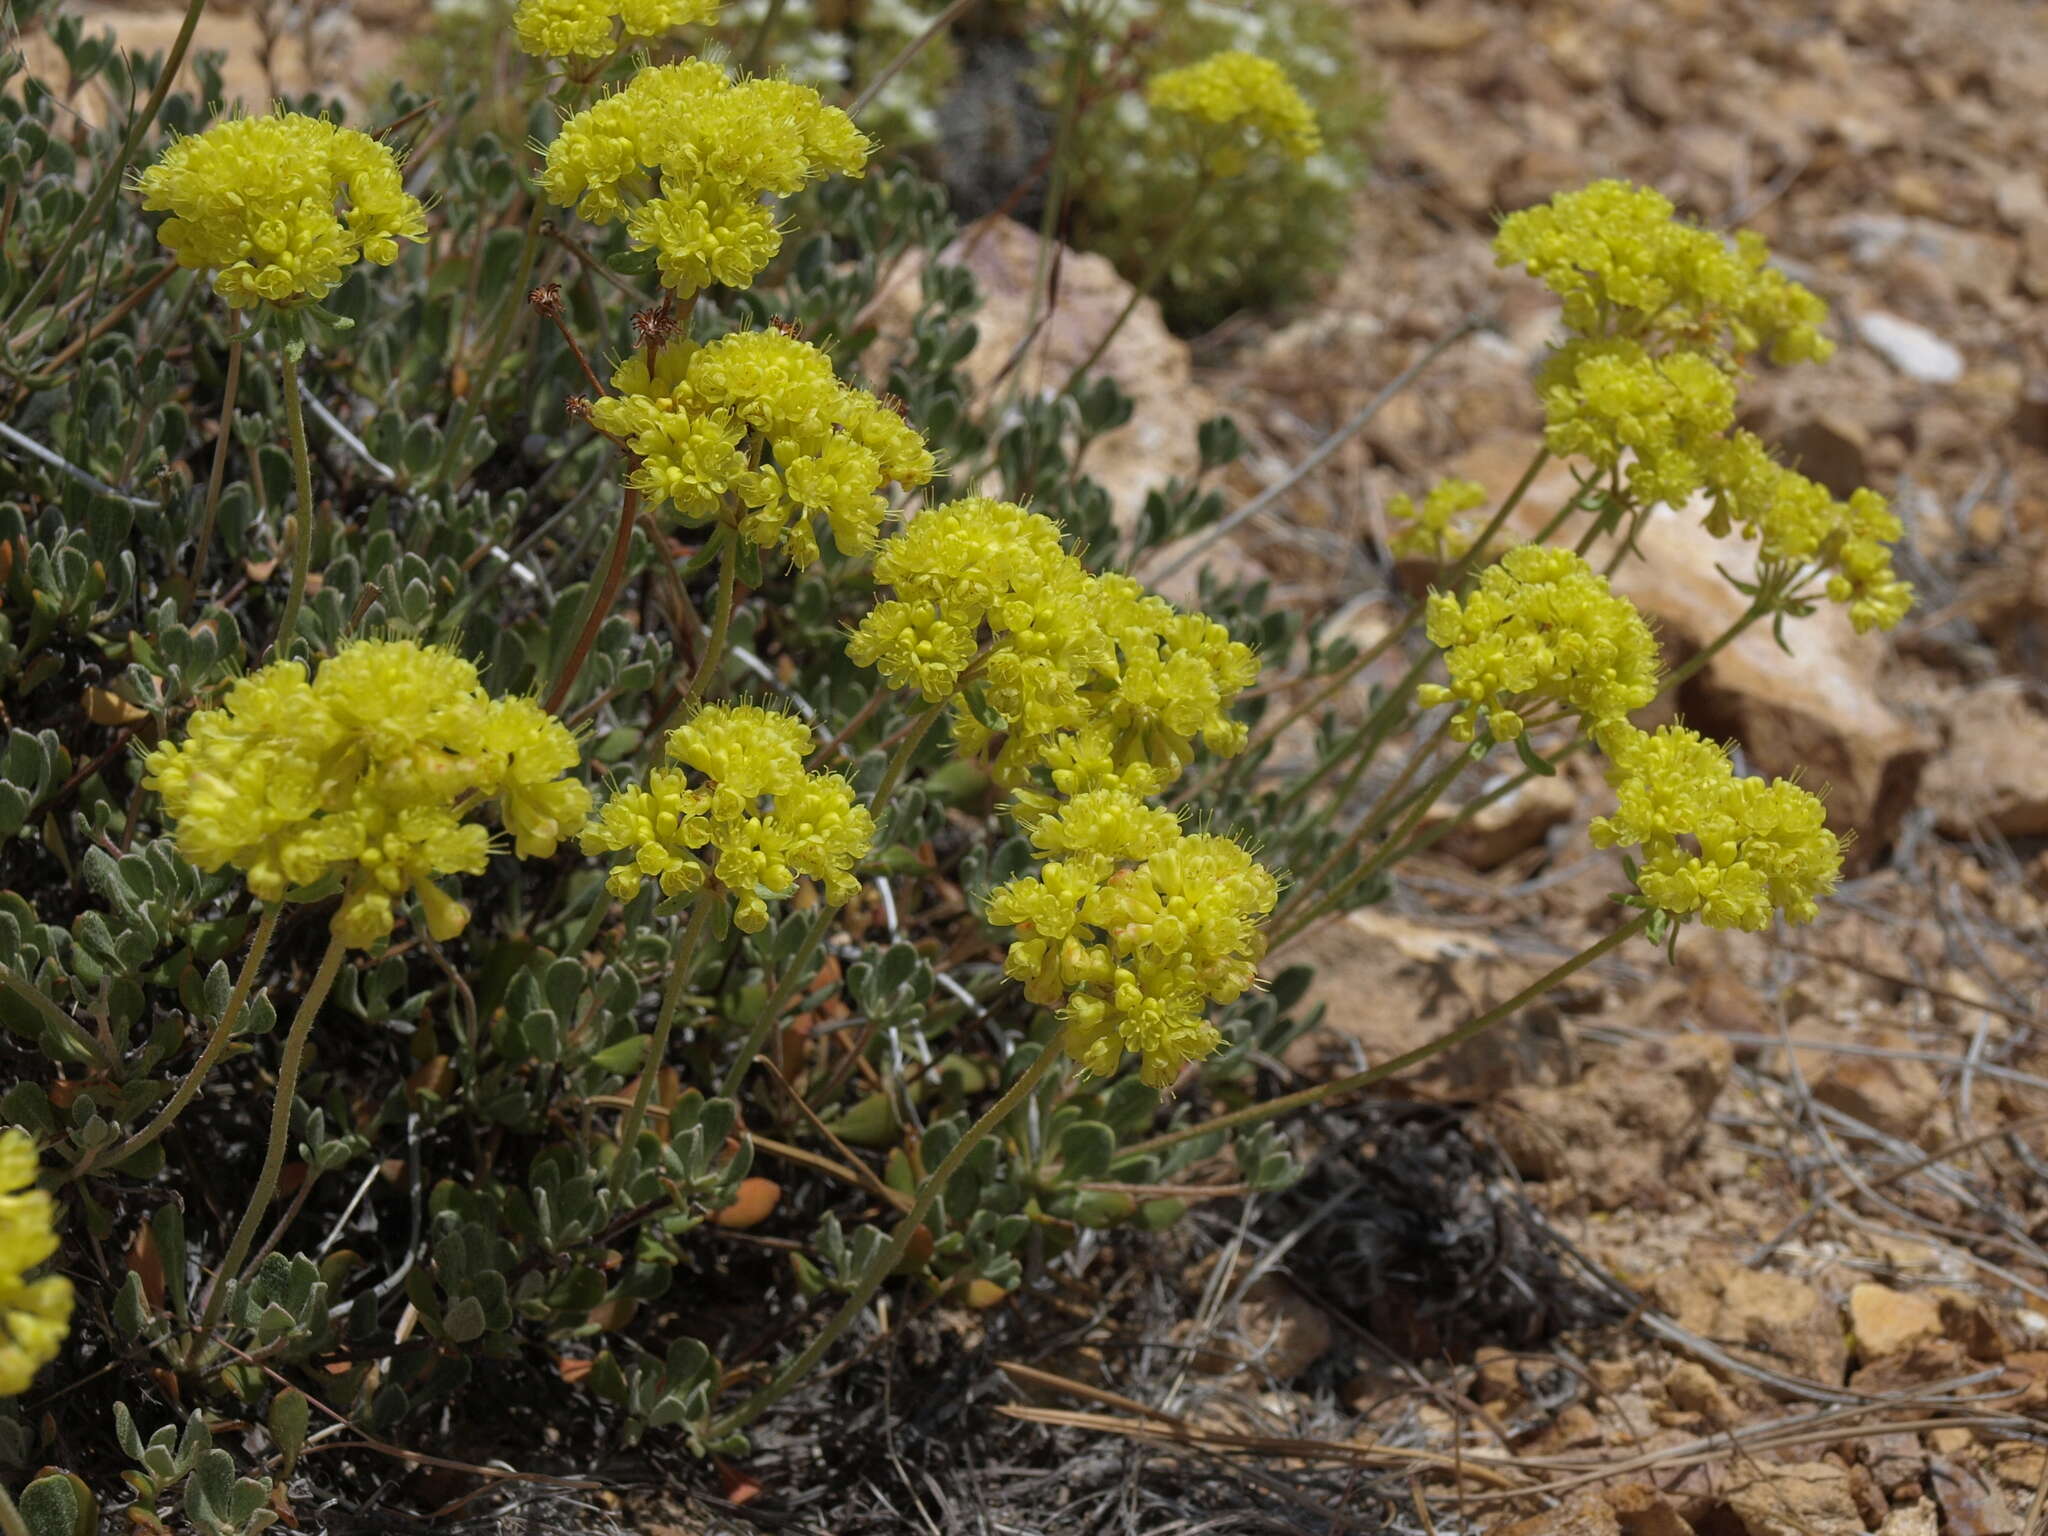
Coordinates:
[1278,232]
[505,629]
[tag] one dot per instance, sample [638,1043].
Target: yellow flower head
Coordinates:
[1626,266]
[757,426]
[1732,851]
[1542,627]
[560,29]
[1606,399]
[1434,532]
[1132,928]
[365,770]
[686,155]
[35,1315]
[765,820]
[1799,527]
[1076,663]
[282,205]
[1242,105]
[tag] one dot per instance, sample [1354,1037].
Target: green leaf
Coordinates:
[290,1414]
[625,1056]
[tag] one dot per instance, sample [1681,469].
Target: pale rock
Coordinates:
[1886,1321]
[1274,1329]
[1823,715]
[1920,1518]
[1517,821]
[1622,1130]
[1804,1498]
[1586,1515]
[1645,1511]
[1153,366]
[1912,349]
[1389,984]
[1695,1389]
[1894,1095]
[1995,770]
[1768,1319]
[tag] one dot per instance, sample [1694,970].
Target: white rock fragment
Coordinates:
[1912,349]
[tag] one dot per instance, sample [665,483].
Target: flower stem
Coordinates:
[1383,808]
[11,1522]
[1695,662]
[280,1138]
[509,320]
[899,1244]
[681,957]
[220,464]
[597,603]
[1154,270]
[216,1044]
[1477,553]
[1339,1087]
[798,970]
[721,620]
[302,534]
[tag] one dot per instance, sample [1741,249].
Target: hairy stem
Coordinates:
[1339,1087]
[280,1139]
[680,959]
[598,602]
[302,533]
[216,1044]
[220,464]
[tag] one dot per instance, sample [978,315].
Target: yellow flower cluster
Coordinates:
[1800,527]
[1132,928]
[560,29]
[757,425]
[35,1315]
[1433,532]
[1088,677]
[1609,399]
[1244,105]
[1662,314]
[766,820]
[1625,266]
[365,771]
[282,205]
[1732,851]
[1542,627]
[686,157]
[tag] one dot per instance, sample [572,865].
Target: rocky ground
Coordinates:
[1749,1247]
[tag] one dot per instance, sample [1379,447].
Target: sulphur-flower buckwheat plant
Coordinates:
[757,427]
[1542,628]
[942,862]
[1662,317]
[1735,852]
[365,770]
[1080,669]
[35,1315]
[280,206]
[1433,530]
[1132,929]
[764,819]
[1242,105]
[562,29]
[686,156]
